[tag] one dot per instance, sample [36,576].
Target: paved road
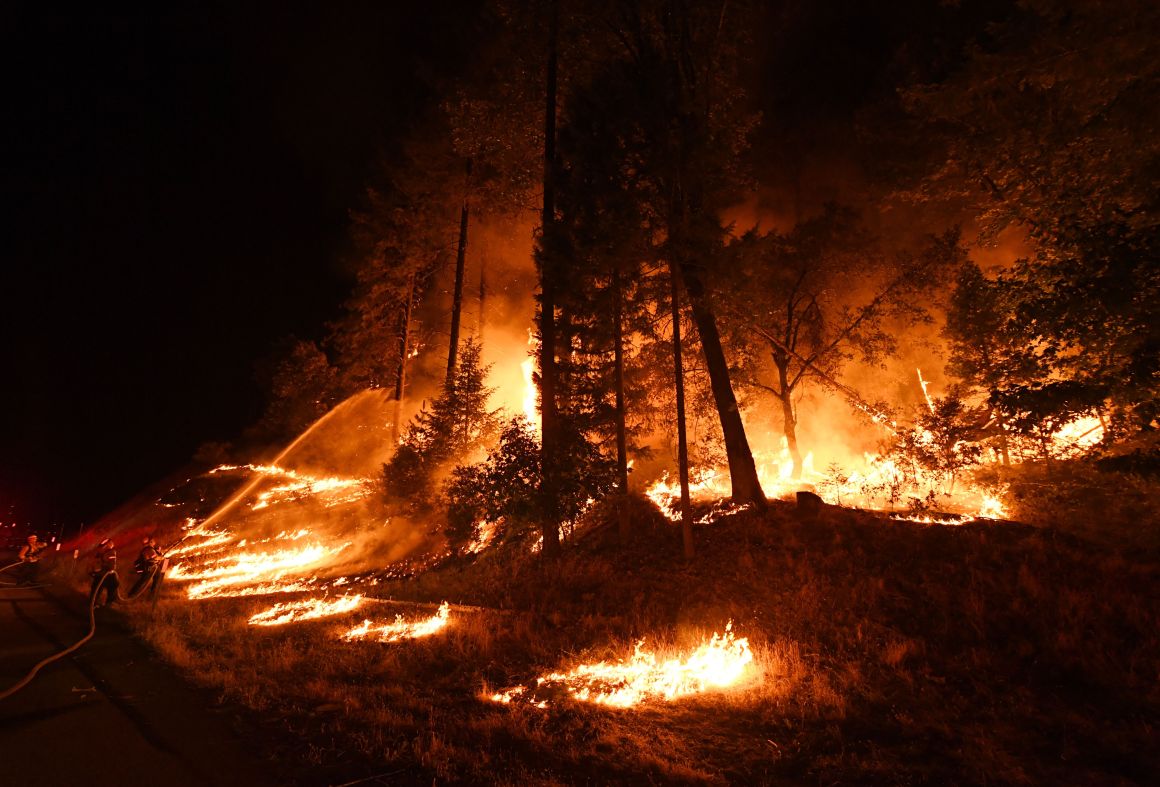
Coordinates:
[110,713]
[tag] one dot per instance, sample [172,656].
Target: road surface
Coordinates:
[110,713]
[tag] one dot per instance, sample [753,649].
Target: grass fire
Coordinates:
[709,393]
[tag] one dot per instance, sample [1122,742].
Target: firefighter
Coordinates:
[147,567]
[104,574]
[30,559]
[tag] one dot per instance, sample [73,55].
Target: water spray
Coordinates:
[238,496]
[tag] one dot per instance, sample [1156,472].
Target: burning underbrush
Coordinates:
[860,649]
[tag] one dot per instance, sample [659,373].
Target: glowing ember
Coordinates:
[306,609]
[925,393]
[400,629]
[718,663]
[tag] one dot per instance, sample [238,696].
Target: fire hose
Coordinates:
[92,630]
[62,653]
[11,565]
[145,584]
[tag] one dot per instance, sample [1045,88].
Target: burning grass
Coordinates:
[881,651]
[400,629]
[626,683]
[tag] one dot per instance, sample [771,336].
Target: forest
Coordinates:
[742,258]
[728,393]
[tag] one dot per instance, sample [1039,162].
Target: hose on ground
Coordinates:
[62,653]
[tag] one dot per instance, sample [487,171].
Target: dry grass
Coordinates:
[884,653]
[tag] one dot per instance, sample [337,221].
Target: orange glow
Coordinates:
[718,663]
[333,491]
[227,575]
[400,629]
[307,609]
[531,395]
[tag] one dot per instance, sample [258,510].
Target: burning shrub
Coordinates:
[940,446]
[507,485]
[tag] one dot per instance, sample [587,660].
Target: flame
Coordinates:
[333,490]
[210,540]
[703,483]
[992,507]
[485,532]
[400,629]
[230,574]
[306,609]
[718,663]
[207,589]
[1078,435]
[927,519]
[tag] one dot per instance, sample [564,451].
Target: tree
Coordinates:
[458,425]
[682,62]
[940,446]
[505,489]
[1048,126]
[301,385]
[808,301]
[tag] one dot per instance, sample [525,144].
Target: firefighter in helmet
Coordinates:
[147,567]
[104,574]
[29,556]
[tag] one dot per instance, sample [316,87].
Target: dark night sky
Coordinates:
[176,184]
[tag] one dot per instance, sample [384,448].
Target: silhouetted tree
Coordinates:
[814,298]
[457,425]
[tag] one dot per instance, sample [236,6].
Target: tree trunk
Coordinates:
[549,417]
[401,373]
[618,383]
[742,470]
[457,297]
[682,441]
[482,299]
[788,418]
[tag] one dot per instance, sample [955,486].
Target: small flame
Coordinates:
[718,663]
[484,534]
[333,490]
[400,629]
[306,609]
[992,507]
